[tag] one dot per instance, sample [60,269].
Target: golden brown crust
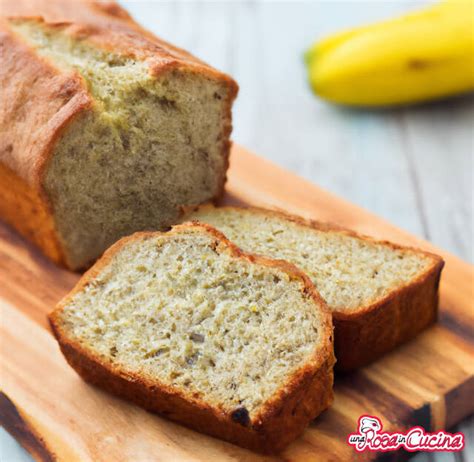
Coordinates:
[281,420]
[39,101]
[366,333]
[108,26]
[364,337]
[23,208]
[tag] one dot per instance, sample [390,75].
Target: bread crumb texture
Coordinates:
[349,272]
[147,146]
[180,312]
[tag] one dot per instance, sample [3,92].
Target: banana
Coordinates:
[424,55]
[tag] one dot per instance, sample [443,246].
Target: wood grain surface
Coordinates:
[58,417]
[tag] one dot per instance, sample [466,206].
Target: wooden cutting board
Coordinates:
[56,416]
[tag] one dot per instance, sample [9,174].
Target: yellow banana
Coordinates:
[424,55]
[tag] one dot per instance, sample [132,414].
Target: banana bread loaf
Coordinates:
[105,129]
[184,324]
[380,294]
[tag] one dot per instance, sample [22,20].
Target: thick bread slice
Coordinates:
[185,324]
[105,129]
[380,294]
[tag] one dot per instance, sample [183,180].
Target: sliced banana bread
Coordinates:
[380,294]
[106,129]
[185,324]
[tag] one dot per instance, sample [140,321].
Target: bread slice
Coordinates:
[106,129]
[380,294]
[185,324]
